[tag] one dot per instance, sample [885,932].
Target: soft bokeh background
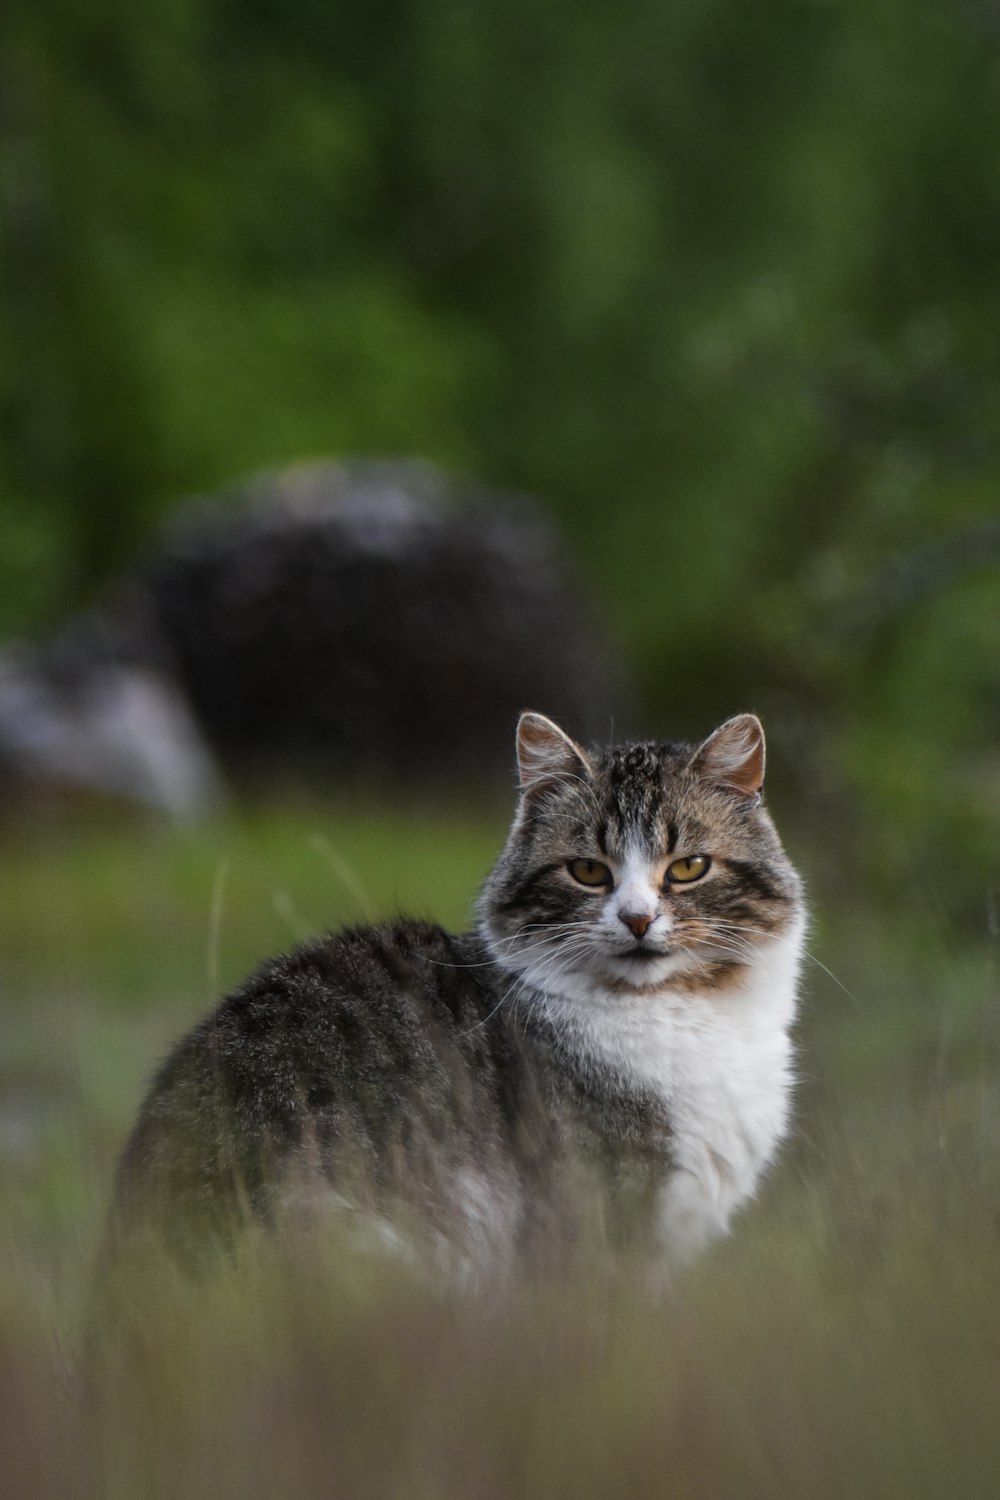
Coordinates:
[721,286]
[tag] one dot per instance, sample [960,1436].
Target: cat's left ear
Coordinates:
[733,757]
[547,756]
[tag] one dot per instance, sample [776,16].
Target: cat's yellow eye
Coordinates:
[589,872]
[683,871]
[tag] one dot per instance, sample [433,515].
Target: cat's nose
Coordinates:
[638,923]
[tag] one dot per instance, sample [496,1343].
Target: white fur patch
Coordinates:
[722,1063]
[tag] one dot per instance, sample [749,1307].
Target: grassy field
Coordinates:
[844,1341]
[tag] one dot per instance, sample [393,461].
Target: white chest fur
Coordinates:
[722,1062]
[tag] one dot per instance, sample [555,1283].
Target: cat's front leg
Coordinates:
[695,1207]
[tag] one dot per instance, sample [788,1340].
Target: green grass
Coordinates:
[844,1341]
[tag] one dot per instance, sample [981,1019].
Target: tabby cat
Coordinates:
[607,1054]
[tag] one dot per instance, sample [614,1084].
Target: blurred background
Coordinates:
[719,291]
[703,301]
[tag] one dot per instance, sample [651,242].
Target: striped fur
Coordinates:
[606,1062]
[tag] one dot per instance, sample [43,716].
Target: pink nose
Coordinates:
[636,922]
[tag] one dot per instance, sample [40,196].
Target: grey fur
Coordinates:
[419,1079]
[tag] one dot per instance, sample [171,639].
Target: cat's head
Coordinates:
[641,867]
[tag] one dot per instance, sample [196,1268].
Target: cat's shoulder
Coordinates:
[370,950]
[376,974]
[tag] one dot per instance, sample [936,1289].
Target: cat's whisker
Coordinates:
[838,982]
[487,963]
[733,929]
[521,983]
[714,934]
[565,953]
[739,929]
[530,927]
[726,945]
[551,942]
[550,926]
[743,956]
[524,982]
[568,956]
[489,1016]
[554,935]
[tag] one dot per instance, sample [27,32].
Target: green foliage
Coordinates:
[719,286]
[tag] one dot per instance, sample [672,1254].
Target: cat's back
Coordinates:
[342,1006]
[377,1061]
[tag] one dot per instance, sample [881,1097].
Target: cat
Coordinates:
[607,1055]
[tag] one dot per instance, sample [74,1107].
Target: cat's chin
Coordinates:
[638,969]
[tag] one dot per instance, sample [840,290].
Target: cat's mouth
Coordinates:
[643,964]
[641,955]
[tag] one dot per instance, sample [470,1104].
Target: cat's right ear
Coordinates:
[546,756]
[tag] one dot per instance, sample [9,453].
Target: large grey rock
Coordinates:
[373,622]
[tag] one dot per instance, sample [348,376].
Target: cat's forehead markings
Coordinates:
[633,794]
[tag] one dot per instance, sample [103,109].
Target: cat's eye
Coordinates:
[589,872]
[683,871]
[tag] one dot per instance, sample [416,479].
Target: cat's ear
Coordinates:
[733,757]
[545,755]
